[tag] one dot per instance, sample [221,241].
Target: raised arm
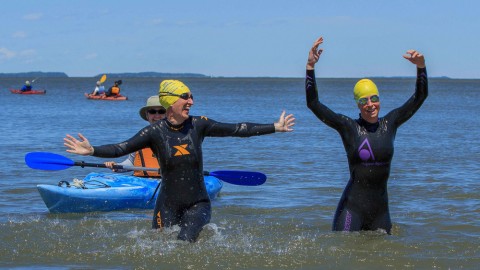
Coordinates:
[310,82]
[314,54]
[322,112]
[408,109]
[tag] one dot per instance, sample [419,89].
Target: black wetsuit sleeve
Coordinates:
[139,141]
[407,110]
[322,112]
[213,128]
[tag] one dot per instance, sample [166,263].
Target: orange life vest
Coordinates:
[115,90]
[146,158]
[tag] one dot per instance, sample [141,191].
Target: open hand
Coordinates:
[314,54]
[79,147]
[415,58]
[285,123]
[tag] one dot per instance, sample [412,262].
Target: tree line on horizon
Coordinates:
[110,75]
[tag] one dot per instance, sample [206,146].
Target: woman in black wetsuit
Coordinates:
[176,141]
[369,143]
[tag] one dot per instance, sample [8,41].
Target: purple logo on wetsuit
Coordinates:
[365,151]
[348,222]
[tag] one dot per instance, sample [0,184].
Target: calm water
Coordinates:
[283,224]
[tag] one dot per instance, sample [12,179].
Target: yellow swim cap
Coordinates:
[364,88]
[168,87]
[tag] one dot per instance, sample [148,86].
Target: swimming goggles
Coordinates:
[185,96]
[373,99]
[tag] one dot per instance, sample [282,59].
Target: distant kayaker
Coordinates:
[177,141]
[368,142]
[152,112]
[26,87]
[99,89]
[114,90]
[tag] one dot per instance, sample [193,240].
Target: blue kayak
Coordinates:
[108,192]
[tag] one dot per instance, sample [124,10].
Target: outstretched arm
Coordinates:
[217,129]
[82,146]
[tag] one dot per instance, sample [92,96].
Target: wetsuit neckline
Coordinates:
[370,127]
[175,127]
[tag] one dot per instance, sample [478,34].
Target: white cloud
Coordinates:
[19,34]
[91,56]
[28,53]
[157,21]
[186,23]
[6,53]
[33,16]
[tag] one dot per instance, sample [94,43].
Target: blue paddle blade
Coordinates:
[242,178]
[47,161]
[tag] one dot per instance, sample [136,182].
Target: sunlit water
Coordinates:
[283,224]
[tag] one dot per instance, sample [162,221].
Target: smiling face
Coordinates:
[155,113]
[180,110]
[369,110]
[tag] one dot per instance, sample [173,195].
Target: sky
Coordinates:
[231,38]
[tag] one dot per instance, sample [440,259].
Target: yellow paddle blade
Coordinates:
[104,78]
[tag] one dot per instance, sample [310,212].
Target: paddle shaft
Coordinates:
[236,180]
[121,167]
[118,167]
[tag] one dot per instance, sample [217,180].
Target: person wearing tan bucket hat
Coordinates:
[368,142]
[177,143]
[152,112]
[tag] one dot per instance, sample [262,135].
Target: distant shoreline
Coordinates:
[183,75]
[109,75]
